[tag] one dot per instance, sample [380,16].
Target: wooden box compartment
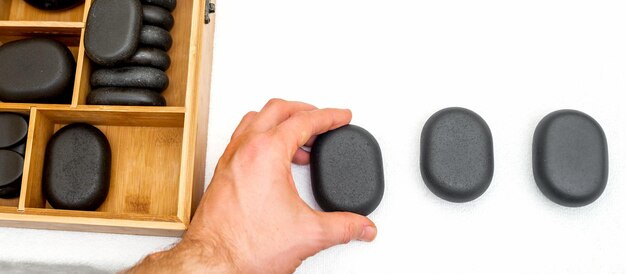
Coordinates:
[19,10]
[158,153]
[146,149]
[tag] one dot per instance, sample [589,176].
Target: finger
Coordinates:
[302,157]
[343,227]
[276,111]
[310,142]
[245,122]
[299,128]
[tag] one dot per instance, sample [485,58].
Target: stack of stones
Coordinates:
[13,131]
[128,40]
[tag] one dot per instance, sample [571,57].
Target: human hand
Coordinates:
[251,218]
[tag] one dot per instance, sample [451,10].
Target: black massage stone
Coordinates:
[456,158]
[130,77]
[11,168]
[13,129]
[77,168]
[54,4]
[157,16]
[36,70]
[570,158]
[113,30]
[155,37]
[125,97]
[19,148]
[347,171]
[167,4]
[149,57]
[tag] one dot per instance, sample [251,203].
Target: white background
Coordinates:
[394,63]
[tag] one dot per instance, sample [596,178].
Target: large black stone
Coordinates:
[155,37]
[347,171]
[54,4]
[11,168]
[77,168]
[113,30]
[456,158]
[130,77]
[157,16]
[168,4]
[570,158]
[149,57]
[36,70]
[13,129]
[125,97]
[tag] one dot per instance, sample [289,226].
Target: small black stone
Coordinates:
[157,16]
[13,129]
[167,4]
[36,70]
[570,158]
[457,155]
[149,57]
[77,168]
[19,148]
[130,77]
[11,168]
[155,37]
[347,171]
[54,4]
[113,30]
[125,97]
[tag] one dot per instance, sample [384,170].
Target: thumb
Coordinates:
[343,227]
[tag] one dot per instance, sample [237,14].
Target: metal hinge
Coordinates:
[208,9]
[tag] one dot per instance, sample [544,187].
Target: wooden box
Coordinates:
[158,163]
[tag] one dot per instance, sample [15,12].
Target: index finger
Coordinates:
[300,127]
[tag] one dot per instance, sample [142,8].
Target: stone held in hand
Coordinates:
[347,171]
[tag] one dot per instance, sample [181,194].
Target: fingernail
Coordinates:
[368,234]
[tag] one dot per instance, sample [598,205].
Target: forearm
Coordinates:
[189,256]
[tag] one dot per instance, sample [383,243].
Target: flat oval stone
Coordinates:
[347,171]
[167,4]
[13,129]
[11,168]
[155,37]
[570,158]
[77,168]
[19,148]
[36,70]
[456,158]
[54,4]
[112,31]
[157,16]
[149,57]
[130,77]
[125,97]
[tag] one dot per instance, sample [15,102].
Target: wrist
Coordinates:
[204,255]
[190,255]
